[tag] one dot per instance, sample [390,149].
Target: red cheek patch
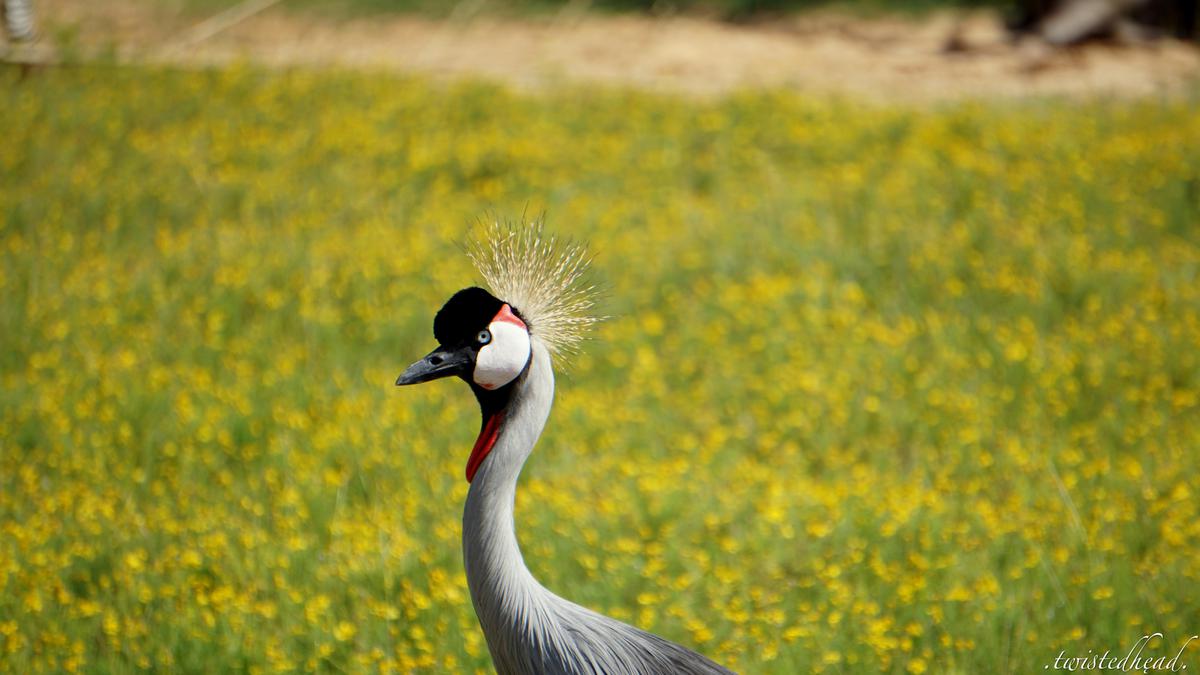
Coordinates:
[506,315]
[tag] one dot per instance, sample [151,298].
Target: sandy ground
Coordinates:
[881,58]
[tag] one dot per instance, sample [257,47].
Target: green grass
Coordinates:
[882,389]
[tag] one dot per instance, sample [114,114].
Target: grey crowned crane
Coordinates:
[500,343]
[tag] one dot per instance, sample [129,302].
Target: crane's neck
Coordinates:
[502,589]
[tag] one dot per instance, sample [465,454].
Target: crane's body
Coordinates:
[529,630]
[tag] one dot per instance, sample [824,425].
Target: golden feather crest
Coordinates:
[542,277]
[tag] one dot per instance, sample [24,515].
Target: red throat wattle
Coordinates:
[483,444]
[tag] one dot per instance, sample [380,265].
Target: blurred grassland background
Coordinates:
[726,9]
[883,389]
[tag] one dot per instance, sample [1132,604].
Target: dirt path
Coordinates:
[887,59]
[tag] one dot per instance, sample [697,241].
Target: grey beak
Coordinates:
[441,362]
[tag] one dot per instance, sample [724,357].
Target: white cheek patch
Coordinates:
[502,360]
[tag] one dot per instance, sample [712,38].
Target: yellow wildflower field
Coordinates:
[880,389]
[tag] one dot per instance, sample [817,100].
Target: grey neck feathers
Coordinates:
[529,630]
[503,591]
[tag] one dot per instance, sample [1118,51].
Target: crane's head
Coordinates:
[489,342]
[481,339]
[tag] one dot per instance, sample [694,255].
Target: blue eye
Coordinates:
[483,337]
